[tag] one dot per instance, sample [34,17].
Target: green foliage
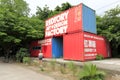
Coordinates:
[99,57]
[16,28]
[109,26]
[44,13]
[23,52]
[26,60]
[63,68]
[72,67]
[90,72]
[65,6]
[53,63]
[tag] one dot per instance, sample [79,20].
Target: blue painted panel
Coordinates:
[57,47]
[89,19]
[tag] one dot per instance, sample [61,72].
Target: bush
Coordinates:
[90,72]
[72,67]
[23,52]
[53,63]
[26,60]
[63,68]
[99,57]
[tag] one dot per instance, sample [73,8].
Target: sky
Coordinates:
[100,6]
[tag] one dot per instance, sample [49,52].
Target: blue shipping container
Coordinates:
[57,47]
[89,19]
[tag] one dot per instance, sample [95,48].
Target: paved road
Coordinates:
[15,72]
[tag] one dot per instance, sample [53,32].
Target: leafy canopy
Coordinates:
[109,26]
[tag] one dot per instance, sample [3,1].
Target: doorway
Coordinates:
[57,47]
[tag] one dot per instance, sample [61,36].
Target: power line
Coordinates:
[108,5]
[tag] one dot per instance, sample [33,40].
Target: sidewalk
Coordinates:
[112,64]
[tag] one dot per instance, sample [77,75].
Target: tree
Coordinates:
[17,6]
[109,26]
[16,28]
[44,13]
[58,9]
[65,6]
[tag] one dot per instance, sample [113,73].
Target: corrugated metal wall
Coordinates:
[73,46]
[96,45]
[88,19]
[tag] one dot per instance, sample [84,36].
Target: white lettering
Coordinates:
[92,54]
[56,31]
[90,43]
[89,49]
[57,19]
[57,25]
[93,37]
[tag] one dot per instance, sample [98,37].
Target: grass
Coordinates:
[63,71]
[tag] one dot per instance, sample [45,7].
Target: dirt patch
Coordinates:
[64,71]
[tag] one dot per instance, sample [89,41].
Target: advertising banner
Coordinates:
[67,21]
[91,45]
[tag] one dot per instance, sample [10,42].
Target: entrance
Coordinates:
[57,47]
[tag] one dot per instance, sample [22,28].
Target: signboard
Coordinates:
[57,25]
[46,42]
[90,45]
[67,21]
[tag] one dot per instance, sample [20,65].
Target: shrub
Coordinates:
[53,62]
[63,68]
[26,60]
[72,67]
[23,52]
[99,57]
[90,72]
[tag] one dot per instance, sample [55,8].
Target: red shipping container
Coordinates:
[84,46]
[75,19]
[95,45]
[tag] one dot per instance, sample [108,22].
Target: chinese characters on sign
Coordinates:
[89,46]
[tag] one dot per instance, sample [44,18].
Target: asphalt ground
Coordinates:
[9,71]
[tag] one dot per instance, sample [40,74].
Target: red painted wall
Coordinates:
[94,45]
[73,46]
[47,48]
[84,46]
[34,52]
[65,22]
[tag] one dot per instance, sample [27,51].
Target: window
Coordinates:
[36,48]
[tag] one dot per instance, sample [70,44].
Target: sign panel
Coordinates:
[47,42]
[90,45]
[57,25]
[65,22]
